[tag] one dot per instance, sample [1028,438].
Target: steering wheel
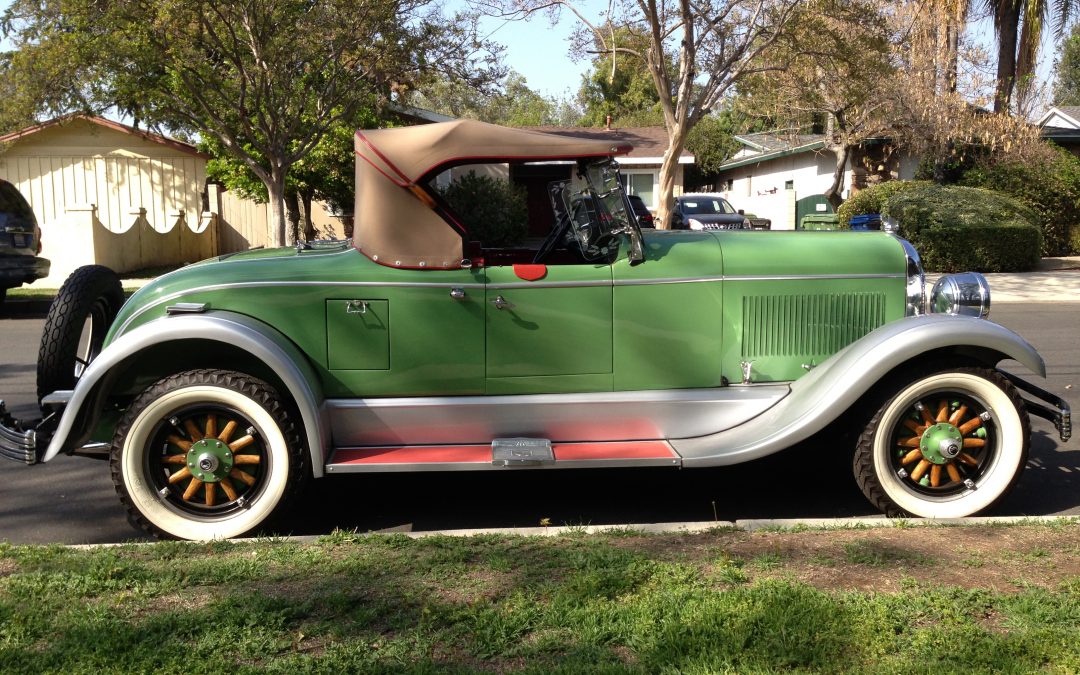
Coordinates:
[562,224]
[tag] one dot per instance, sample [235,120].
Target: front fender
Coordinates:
[258,339]
[831,388]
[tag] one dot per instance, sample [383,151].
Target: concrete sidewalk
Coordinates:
[1053,280]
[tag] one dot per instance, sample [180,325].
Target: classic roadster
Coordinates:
[221,388]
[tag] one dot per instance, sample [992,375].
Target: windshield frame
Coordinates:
[606,188]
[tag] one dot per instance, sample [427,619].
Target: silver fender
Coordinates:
[270,347]
[828,390]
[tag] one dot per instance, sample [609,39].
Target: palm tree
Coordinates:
[1018,26]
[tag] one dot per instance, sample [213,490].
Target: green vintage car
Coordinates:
[222,388]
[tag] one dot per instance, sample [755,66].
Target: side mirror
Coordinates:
[742,212]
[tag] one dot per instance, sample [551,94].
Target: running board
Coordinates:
[532,453]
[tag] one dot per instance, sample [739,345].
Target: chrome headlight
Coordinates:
[965,294]
[916,281]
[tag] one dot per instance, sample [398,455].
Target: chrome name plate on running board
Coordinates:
[521,452]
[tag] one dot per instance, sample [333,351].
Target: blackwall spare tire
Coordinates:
[76,325]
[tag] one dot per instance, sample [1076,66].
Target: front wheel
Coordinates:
[207,454]
[948,445]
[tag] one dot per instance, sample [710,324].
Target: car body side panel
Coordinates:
[792,309]
[669,322]
[835,385]
[435,339]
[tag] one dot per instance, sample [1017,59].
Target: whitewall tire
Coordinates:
[947,445]
[207,454]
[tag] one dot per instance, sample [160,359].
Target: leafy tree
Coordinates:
[265,79]
[325,174]
[840,81]
[714,45]
[713,142]
[509,102]
[1067,70]
[619,87]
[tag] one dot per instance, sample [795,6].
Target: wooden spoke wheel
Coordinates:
[207,454]
[948,445]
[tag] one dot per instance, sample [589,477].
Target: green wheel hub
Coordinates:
[941,443]
[209,460]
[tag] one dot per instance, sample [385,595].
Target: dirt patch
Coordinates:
[1004,559]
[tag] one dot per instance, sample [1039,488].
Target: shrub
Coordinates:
[872,199]
[961,228]
[1051,188]
[494,210]
[1074,239]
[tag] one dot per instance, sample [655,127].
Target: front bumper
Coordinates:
[17,443]
[16,270]
[1057,411]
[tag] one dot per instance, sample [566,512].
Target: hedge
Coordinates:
[494,211]
[1050,188]
[872,199]
[958,228]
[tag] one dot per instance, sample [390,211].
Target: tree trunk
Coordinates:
[292,211]
[1008,23]
[310,233]
[669,168]
[832,193]
[276,191]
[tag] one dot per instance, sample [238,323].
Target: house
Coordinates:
[110,194]
[641,167]
[1061,125]
[782,175]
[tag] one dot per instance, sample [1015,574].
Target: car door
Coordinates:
[548,328]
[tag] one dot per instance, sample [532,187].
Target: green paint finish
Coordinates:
[543,330]
[810,253]
[358,334]
[209,460]
[700,304]
[550,384]
[436,347]
[941,443]
[668,335]
[812,295]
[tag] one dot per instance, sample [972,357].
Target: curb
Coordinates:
[750,525]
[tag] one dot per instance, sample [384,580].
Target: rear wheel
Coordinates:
[76,325]
[948,445]
[207,454]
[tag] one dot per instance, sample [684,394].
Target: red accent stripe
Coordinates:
[614,450]
[477,454]
[414,455]
[393,167]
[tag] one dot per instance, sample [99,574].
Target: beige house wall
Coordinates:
[105,196]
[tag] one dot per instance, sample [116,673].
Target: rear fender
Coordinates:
[261,341]
[831,388]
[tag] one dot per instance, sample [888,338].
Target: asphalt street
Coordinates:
[72,500]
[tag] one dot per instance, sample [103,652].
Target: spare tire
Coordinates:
[76,325]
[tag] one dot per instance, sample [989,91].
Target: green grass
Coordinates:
[47,294]
[596,603]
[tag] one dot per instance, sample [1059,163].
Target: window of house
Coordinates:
[641,183]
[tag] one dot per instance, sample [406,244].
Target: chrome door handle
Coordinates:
[457,293]
[501,303]
[356,307]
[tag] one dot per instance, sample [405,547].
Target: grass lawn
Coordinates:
[927,599]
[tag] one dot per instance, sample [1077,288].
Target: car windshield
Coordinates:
[706,206]
[599,211]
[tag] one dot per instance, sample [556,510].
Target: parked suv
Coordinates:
[706,212]
[20,241]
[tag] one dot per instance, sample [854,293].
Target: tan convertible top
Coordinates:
[397,222]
